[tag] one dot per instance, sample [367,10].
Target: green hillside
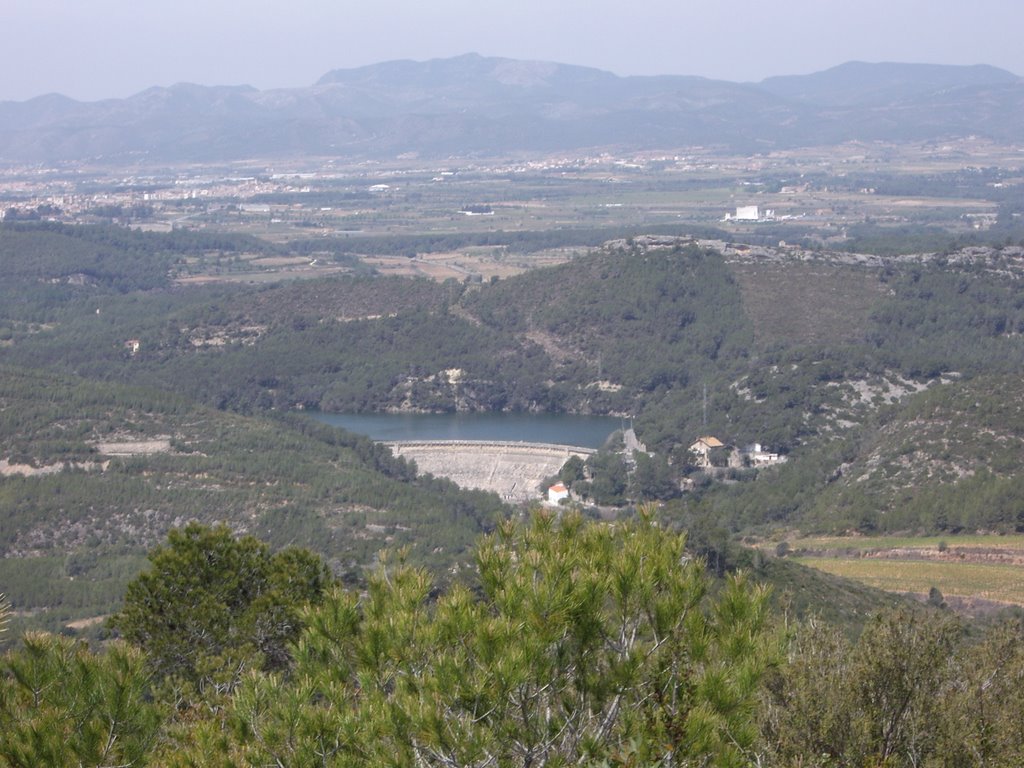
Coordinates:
[96,474]
[946,459]
[950,459]
[787,346]
[815,355]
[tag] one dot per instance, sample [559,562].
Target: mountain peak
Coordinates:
[486,105]
[461,69]
[861,82]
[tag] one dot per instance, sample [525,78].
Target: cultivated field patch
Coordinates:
[994,582]
[880,543]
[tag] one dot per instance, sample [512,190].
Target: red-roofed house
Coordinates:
[557,492]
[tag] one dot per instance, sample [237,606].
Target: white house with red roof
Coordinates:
[557,493]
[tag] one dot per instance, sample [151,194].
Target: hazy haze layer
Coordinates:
[115,48]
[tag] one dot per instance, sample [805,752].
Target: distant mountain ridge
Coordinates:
[472,104]
[857,83]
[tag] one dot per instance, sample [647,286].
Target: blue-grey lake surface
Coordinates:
[563,429]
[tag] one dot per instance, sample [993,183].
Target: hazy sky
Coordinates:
[92,49]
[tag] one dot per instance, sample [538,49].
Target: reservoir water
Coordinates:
[563,429]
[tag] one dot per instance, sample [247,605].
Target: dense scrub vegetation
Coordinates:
[893,384]
[574,643]
[77,520]
[676,336]
[814,357]
[210,606]
[638,330]
[358,346]
[945,460]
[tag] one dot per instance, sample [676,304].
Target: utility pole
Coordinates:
[704,413]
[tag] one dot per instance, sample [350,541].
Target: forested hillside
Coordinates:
[94,474]
[789,349]
[612,330]
[576,643]
[160,491]
[949,460]
[889,382]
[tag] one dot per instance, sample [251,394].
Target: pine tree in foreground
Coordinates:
[584,644]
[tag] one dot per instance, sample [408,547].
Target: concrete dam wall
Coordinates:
[513,470]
